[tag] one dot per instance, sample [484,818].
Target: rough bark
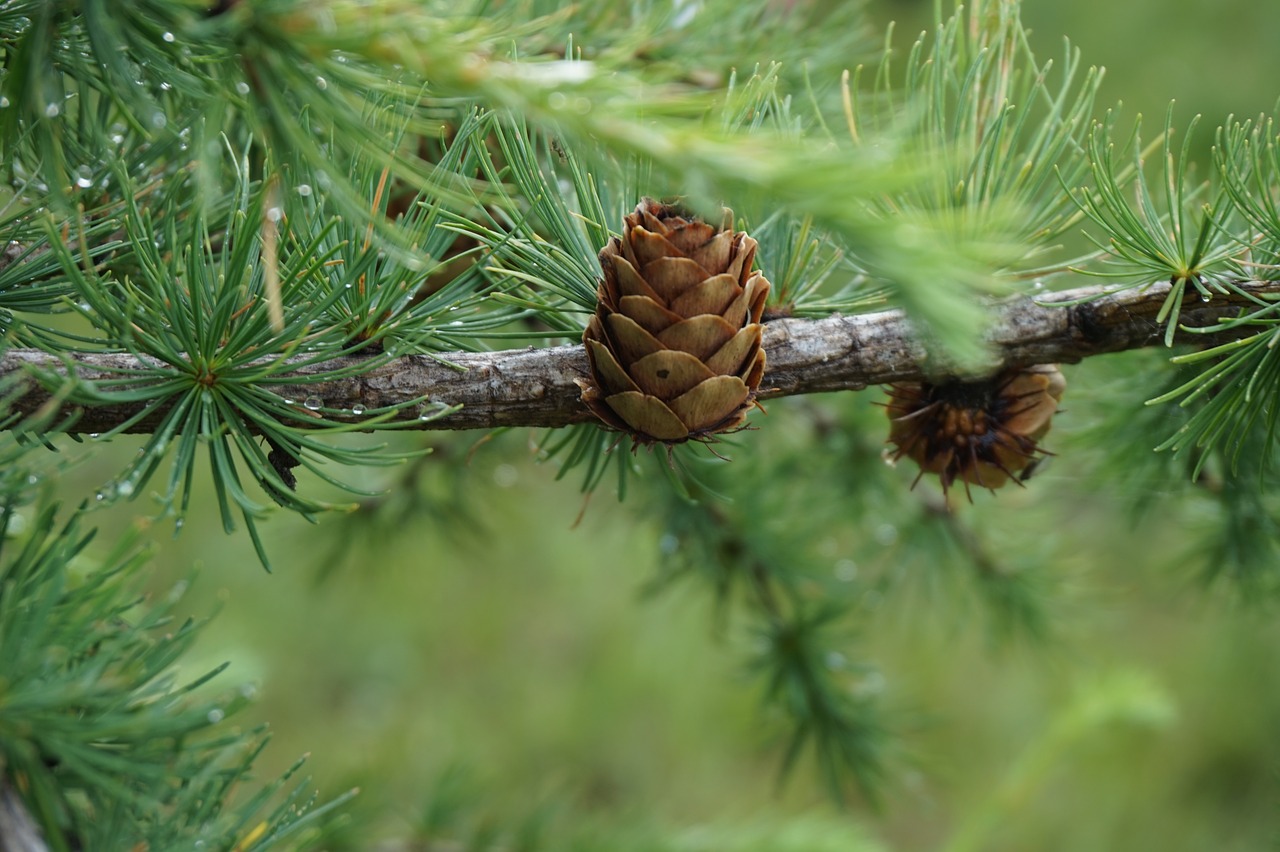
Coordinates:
[538,387]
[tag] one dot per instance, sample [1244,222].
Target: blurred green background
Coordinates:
[502,667]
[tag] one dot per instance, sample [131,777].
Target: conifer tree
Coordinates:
[282,240]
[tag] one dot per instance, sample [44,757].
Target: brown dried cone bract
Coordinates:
[674,344]
[981,433]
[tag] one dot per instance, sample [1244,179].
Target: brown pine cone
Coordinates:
[674,344]
[982,433]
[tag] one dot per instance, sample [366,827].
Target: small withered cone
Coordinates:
[982,433]
[674,344]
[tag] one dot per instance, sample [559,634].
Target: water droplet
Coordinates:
[179,589]
[872,683]
[125,489]
[1204,297]
[179,524]
[357,409]
[17,524]
[4,102]
[168,37]
[835,660]
[668,544]
[505,475]
[322,83]
[52,110]
[249,691]
[431,410]
[275,214]
[100,496]
[95,435]
[846,570]
[84,177]
[304,189]
[242,87]
[313,403]
[159,119]
[215,716]
[886,534]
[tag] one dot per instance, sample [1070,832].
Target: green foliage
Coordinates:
[1235,396]
[1160,238]
[109,748]
[1229,508]
[1205,239]
[199,318]
[744,556]
[977,98]
[252,197]
[1114,698]
[544,245]
[1249,164]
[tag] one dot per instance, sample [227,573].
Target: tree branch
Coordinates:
[538,387]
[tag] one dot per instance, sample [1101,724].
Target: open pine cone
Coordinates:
[674,344]
[982,433]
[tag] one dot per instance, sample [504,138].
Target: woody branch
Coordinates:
[538,387]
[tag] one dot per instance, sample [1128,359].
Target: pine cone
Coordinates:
[982,433]
[674,344]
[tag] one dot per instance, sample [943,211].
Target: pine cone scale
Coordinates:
[711,403]
[669,373]
[628,339]
[708,296]
[675,344]
[672,276]
[750,303]
[650,247]
[626,281]
[1038,392]
[715,254]
[736,354]
[648,314]
[703,336]
[604,365]
[647,415]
